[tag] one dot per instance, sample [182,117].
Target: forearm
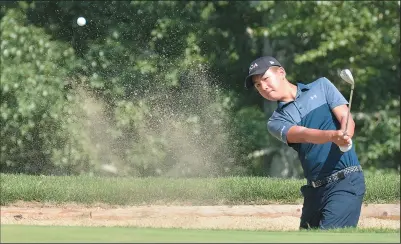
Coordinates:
[300,134]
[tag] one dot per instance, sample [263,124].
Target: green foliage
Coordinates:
[34,70]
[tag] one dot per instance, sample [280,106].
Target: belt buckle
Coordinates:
[341,175]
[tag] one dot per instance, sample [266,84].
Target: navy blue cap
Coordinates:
[260,66]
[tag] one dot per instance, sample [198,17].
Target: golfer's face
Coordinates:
[268,84]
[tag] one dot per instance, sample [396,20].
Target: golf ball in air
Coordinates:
[81,21]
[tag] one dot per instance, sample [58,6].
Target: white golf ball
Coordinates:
[81,21]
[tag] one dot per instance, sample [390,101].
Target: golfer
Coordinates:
[310,118]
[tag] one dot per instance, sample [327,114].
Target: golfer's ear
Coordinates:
[281,70]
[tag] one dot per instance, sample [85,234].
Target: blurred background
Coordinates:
[156,88]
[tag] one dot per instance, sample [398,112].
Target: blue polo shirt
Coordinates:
[312,108]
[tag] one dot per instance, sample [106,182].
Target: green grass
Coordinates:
[381,188]
[42,234]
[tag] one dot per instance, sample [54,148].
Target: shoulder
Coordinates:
[320,82]
[278,118]
[274,118]
[276,115]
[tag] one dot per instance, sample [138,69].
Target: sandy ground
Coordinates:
[251,217]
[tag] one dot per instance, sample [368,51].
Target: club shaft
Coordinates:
[349,109]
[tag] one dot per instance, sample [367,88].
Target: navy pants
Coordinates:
[334,205]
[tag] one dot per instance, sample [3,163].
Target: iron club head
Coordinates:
[346,75]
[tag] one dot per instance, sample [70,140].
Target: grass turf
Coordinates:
[42,234]
[381,188]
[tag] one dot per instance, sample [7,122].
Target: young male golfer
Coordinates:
[310,119]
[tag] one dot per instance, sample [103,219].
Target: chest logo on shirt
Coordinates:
[313,97]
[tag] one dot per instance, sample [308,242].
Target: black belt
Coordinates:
[336,176]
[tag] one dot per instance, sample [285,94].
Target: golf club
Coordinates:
[346,75]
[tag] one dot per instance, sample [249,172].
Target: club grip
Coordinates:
[346,148]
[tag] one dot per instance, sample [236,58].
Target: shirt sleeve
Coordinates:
[278,127]
[333,96]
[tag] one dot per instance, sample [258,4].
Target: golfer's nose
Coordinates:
[264,86]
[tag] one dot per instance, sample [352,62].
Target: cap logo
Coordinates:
[253,66]
[271,62]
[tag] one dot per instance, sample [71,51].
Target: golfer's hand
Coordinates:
[349,133]
[340,138]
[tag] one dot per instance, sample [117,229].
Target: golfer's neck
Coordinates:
[290,92]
